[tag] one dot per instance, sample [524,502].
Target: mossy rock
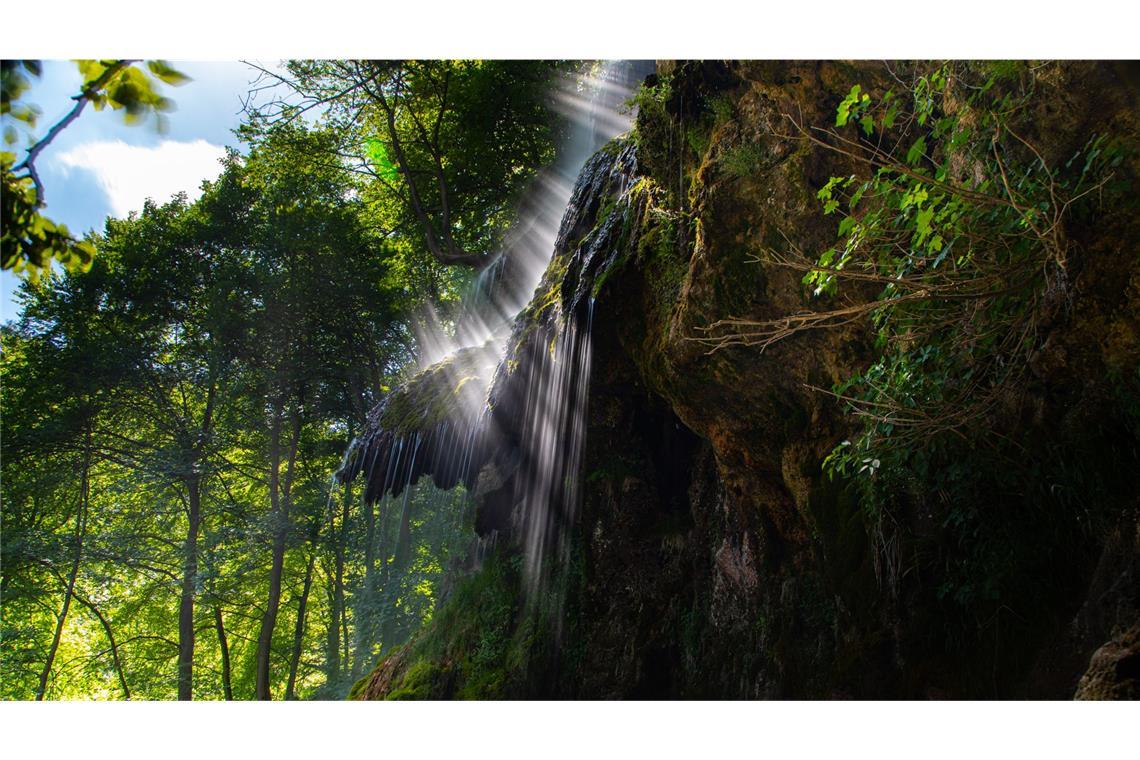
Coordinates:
[475,646]
[449,390]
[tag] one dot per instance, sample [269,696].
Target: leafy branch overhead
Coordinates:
[31,240]
[446,146]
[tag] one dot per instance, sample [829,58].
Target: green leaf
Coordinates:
[89,70]
[167,73]
[844,111]
[916,152]
[377,153]
[890,116]
[916,196]
[922,222]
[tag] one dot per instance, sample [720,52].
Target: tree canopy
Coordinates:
[176,401]
[446,145]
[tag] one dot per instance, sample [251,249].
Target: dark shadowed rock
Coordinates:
[710,556]
[1114,670]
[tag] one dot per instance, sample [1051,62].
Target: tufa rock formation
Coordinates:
[708,554]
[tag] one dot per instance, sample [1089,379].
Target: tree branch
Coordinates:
[89,92]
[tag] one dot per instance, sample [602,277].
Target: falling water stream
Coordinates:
[595,106]
[546,430]
[554,436]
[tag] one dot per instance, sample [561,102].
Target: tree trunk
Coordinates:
[299,628]
[279,507]
[332,635]
[110,639]
[193,480]
[345,641]
[189,584]
[366,609]
[336,593]
[224,644]
[394,571]
[80,528]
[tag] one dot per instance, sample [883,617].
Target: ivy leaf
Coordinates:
[825,191]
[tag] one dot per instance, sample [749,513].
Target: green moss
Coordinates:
[663,264]
[477,644]
[420,681]
[699,136]
[447,390]
[639,197]
[483,642]
[655,131]
[723,108]
[743,160]
[358,687]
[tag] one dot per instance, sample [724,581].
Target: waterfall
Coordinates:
[594,105]
[500,404]
[554,436]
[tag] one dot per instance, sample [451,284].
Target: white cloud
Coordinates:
[130,174]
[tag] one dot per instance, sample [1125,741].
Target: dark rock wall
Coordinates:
[712,558]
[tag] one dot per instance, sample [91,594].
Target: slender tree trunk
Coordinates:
[110,639]
[345,641]
[366,609]
[80,528]
[404,541]
[394,571]
[336,593]
[342,553]
[224,645]
[279,506]
[332,635]
[189,586]
[193,480]
[299,629]
[269,618]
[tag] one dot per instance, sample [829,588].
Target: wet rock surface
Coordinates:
[424,427]
[1114,670]
[709,556]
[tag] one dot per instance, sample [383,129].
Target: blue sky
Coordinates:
[100,167]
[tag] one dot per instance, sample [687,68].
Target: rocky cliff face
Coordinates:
[710,556]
